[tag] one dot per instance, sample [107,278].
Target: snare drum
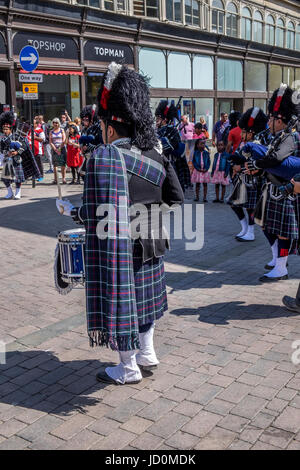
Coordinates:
[71,250]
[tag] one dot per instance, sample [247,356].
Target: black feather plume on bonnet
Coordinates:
[7,118]
[124,97]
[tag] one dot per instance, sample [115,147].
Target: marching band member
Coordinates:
[91,135]
[281,219]
[125,281]
[18,162]
[252,122]
[169,136]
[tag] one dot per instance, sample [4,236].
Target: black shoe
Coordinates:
[205,200]
[273,279]
[221,201]
[290,304]
[196,199]
[72,182]
[147,368]
[102,376]
[216,200]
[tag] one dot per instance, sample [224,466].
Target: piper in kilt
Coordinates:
[170,139]
[125,281]
[281,214]
[252,122]
[18,163]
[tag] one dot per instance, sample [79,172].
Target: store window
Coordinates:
[260,103]
[179,70]
[217,17]
[201,80]
[297,78]
[230,75]
[290,36]
[152,64]
[246,25]
[270,30]
[192,12]
[56,94]
[275,77]
[173,10]
[93,83]
[280,33]
[204,107]
[257,27]
[255,76]
[231,20]
[288,75]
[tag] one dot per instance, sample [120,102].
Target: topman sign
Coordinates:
[108,51]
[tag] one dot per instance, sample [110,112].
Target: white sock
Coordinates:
[18,193]
[280,268]
[9,193]
[244,224]
[274,248]
[128,370]
[146,356]
[249,235]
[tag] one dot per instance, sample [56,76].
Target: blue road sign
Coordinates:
[29,58]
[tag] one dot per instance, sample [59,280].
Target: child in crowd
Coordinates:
[73,152]
[220,171]
[201,164]
[200,132]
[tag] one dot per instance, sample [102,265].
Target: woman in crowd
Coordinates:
[57,140]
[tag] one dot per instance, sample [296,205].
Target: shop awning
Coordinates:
[55,72]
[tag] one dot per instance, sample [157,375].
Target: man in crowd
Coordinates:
[219,128]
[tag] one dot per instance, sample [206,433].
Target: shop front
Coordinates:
[4,73]
[97,55]
[59,65]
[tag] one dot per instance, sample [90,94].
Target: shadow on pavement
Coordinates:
[203,280]
[31,379]
[221,313]
[38,217]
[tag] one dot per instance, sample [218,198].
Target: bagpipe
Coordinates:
[289,166]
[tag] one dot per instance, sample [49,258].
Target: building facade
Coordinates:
[217,55]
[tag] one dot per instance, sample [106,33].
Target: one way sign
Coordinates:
[29,58]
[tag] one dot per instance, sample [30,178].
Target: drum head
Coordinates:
[72,235]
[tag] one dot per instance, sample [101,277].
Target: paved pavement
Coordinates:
[225,380]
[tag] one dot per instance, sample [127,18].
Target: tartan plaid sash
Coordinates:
[112,318]
[143,166]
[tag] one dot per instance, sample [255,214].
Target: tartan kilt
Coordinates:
[252,198]
[282,217]
[150,287]
[19,174]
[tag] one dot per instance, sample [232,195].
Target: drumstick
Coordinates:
[59,195]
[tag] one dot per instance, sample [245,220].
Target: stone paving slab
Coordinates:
[225,380]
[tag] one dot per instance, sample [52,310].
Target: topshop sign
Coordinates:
[50,45]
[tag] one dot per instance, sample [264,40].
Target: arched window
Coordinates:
[246,26]
[280,33]
[192,12]
[290,36]
[217,17]
[270,30]
[258,27]
[298,38]
[231,20]
[173,10]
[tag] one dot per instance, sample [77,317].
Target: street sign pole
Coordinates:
[32,134]
[29,60]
